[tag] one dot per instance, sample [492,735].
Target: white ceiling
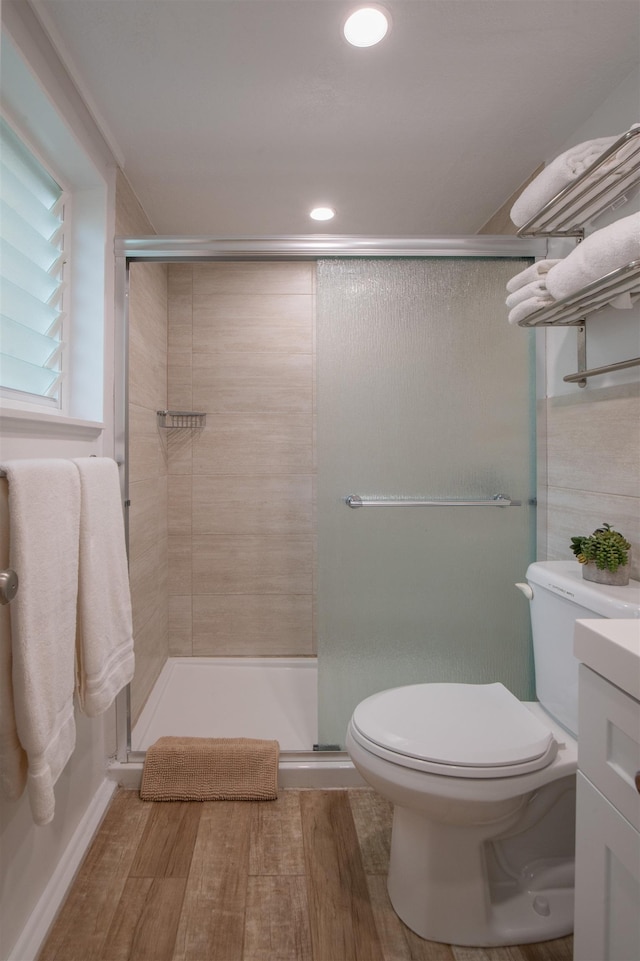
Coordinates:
[234,117]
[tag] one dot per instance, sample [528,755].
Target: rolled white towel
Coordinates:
[600,253]
[533,272]
[526,307]
[556,176]
[537,288]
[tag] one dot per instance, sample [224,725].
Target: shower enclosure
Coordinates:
[418,389]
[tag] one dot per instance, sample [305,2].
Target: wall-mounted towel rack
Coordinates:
[604,184]
[573,311]
[357,500]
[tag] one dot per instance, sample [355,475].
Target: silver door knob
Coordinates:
[8,585]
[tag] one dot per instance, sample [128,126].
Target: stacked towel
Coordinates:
[528,307]
[528,290]
[600,253]
[534,272]
[105,659]
[556,176]
[44,501]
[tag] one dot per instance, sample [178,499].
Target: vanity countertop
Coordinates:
[611,648]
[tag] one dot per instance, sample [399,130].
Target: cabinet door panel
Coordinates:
[607,921]
[609,742]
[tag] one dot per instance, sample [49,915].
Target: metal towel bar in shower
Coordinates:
[356,500]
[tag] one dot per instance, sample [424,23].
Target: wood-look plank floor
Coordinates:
[302,878]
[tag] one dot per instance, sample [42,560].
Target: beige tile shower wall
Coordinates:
[241,491]
[148,478]
[593,466]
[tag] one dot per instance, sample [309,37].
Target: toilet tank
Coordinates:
[560,597]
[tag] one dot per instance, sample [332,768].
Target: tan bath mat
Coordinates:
[210,769]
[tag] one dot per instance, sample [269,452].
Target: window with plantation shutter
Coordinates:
[31,274]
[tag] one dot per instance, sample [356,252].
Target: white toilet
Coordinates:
[483,785]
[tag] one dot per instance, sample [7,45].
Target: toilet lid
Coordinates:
[472,727]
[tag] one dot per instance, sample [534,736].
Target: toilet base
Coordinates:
[436,884]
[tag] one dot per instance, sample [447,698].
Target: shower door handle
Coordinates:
[8,585]
[357,500]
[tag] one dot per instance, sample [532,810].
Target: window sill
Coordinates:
[15,420]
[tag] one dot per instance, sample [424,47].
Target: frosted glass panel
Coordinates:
[424,390]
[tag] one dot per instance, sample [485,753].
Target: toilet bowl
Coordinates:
[483,785]
[483,790]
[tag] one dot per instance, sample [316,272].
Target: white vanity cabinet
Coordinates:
[607,905]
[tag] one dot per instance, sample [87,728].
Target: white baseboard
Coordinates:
[35,930]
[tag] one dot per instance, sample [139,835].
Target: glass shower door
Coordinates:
[423,390]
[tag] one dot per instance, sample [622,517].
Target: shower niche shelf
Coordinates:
[602,185]
[181,419]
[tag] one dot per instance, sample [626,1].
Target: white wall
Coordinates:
[30,856]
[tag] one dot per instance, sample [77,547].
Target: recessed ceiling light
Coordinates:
[322,213]
[366,26]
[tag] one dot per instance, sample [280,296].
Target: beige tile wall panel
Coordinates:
[147,370]
[252,625]
[146,515]
[255,444]
[573,512]
[593,441]
[180,388]
[242,504]
[179,503]
[240,495]
[148,303]
[251,564]
[179,446]
[151,644]
[162,517]
[180,627]
[147,454]
[252,382]
[264,277]
[180,564]
[180,294]
[256,322]
[148,578]
[180,356]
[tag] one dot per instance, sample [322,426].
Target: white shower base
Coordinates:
[271,697]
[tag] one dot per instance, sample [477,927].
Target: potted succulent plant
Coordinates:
[604,556]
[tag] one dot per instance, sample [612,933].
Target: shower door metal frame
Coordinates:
[176,249]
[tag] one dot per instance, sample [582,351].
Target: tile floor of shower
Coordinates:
[233,697]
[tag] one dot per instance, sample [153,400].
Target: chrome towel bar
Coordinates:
[356,500]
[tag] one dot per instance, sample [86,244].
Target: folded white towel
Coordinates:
[529,274]
[598,254]
[527,307]
[105,659]
[556,176]
[536,288]
[44,509]
[13,760]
